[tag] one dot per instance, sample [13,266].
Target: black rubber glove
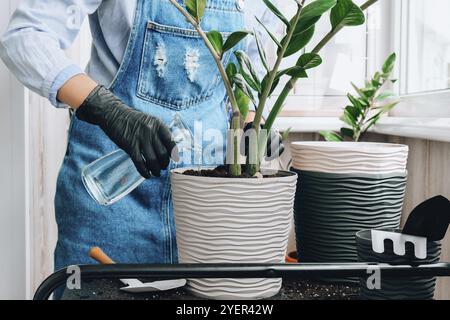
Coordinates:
[145,138]
[275,146]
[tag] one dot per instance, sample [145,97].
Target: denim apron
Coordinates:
[166,69]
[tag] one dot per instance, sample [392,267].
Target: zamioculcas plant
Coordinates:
[366,109]
[242,83]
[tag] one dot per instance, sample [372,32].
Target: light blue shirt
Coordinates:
[40,30]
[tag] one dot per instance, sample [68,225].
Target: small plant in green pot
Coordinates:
[245,216]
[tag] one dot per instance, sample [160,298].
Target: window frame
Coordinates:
[426,104]
[379,45]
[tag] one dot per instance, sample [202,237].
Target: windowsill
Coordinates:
[436,129]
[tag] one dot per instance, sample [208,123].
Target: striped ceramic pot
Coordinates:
[233,220]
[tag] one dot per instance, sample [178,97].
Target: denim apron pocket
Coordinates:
[177,70]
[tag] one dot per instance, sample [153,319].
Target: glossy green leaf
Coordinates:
[368,92]
[317,8]
[346,13]
[231,70]
[234,39]
[216,40]
[349,119]
[309,61]
[243,102]
[196,8]
[312,13]
[249,73]
[354,112]
[331,136]
[299,41]
[296,72]
[361,93]
[389,64]
[240,82]
[356,102]
[346,132]
[277,12]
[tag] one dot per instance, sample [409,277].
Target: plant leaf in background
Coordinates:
[346,13]
[385,95]
[388,66]
[233,39]
[331,136]
[196,8]
[277,12]
[367,109]
[216,40]
[346,132]
[355,102]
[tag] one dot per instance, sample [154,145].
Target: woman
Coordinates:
[147,64]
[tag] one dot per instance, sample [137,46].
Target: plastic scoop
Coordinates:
[430,219]
[135,285]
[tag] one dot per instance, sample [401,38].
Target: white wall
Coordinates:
[32,145]
[13,180]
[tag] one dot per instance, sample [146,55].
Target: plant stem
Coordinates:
[254,168]
[367,4]
[291,83]
[265,94]
[235,123]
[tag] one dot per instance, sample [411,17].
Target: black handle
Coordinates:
[292,271]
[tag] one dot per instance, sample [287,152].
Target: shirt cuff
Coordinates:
[61,78]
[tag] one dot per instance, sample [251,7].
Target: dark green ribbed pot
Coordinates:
[331,208]
[408,288]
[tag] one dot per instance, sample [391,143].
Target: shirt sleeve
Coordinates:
[33,45]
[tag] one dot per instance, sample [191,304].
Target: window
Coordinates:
[419,31]
[345,61]
[426,46]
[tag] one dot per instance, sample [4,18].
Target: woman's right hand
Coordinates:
[146,139]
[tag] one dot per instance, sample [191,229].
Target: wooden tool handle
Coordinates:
[97,254]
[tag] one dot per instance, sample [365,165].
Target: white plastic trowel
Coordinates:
[399,241]
[135,285]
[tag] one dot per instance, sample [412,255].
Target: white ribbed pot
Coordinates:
[233,220]
[349,157]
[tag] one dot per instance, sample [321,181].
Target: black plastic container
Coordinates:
[331,208]
[406,288]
